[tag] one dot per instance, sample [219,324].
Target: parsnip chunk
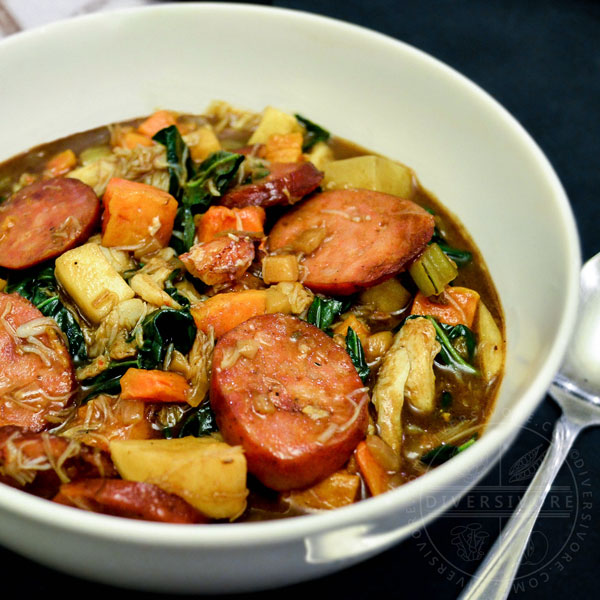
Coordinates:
[274,121]
[91,281]
[209,474]
[490,343]
[369,172]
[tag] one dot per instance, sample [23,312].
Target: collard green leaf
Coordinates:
[178,159]
[313,133]
[109,381]
[324,311]
[194,188]
[39,286]
[357,355]
[211,179]
[200,422]
[445,452]
[449,338]
[160,329]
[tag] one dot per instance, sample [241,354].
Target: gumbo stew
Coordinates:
[233,316]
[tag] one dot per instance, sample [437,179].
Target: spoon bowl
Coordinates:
[576,389]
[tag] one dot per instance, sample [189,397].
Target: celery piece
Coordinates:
[433,271]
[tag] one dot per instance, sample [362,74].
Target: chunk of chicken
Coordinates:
[418,337]
[405,373]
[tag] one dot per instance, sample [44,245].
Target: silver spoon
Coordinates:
[576,389]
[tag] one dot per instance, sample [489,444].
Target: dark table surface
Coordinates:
[541,60]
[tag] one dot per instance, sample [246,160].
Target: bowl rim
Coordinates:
[246,534]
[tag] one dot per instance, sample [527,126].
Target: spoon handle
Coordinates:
[494,578]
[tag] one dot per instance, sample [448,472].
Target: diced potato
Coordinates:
[387,297]
[91,281]
[274,121]
[339,489]
[209,474]
[282,267]
[320,155]
[202,142]
[376,345]
[490,343]
[96,174]
[369,172]
[288,298]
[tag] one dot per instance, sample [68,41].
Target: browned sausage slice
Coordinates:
[36,373]
[40,462]
[290,396]
[369,237]
[286,183]
[131,499]
[44,219]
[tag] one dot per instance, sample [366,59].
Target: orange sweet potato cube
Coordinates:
[136,214]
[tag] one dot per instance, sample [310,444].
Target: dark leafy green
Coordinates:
[179,162]
[162,328]
[200,422]
[357,355]
[324,311]
[446,400]
[450,337]
[445,452]
[173,291]
[195,188]
[460,257]
[313,133]
[109,381]
[39,286]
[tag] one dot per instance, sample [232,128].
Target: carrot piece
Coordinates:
[155,122]
[132,139]
[454,306]
[284,148]
[135,213]
[60,164]
[220,218]
[375,476]
[223,312]
[339,489]
[154,386]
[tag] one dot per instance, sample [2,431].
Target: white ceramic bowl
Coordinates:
[368,88]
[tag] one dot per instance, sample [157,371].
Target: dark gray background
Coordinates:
[541,60]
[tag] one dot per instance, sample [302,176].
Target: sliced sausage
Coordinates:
[36,378]
[40,462]
[131,499]
[370,236]
[286,184]
[290,396]
[105,418]
[44,219]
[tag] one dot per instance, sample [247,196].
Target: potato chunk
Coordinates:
[274,121]
[490,345]
[371,173]
[209,474]
[91,281]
